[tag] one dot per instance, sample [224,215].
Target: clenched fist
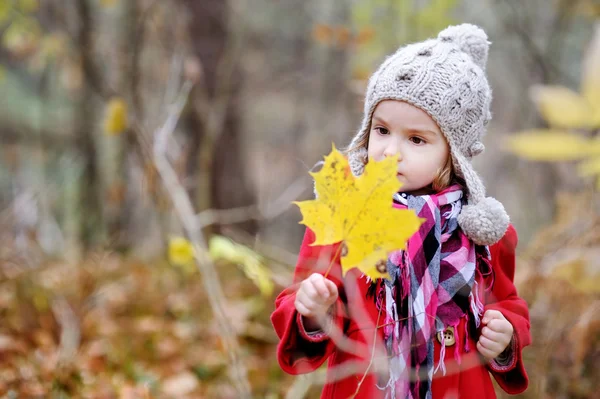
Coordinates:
[496,334]
[314,298]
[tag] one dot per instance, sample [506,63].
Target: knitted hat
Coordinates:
[444,77]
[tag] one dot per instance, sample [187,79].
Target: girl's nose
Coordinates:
[392,149]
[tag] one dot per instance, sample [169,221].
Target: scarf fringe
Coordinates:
[441,363]
[476,305]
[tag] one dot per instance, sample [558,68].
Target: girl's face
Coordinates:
[400,128]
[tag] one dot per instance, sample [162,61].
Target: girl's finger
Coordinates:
[331,287]
[494,335]
[302,309]
[321,288]
[490,315]
[490,345]
[501,326]
[311,304]
[309,289]
[485,352]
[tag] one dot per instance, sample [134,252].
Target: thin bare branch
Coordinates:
[185,212]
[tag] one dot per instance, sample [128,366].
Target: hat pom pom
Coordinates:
[469,38]
[484,222]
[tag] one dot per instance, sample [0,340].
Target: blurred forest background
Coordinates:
[151,149]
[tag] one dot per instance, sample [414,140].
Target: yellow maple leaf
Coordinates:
[359,212]
[115,121]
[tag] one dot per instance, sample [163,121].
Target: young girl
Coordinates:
[450,315]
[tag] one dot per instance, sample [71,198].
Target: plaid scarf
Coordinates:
[431,288]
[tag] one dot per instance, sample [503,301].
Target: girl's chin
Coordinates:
[402,180]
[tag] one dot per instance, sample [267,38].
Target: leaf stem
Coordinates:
[333,259]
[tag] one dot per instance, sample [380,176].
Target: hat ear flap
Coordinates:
[484,219]
[357,160]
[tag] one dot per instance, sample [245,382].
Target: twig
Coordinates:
[227,216]
[245,213]
[70,334]
[184,210]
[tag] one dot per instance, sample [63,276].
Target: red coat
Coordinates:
[356,315]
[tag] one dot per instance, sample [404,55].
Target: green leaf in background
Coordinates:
[28,6]
[4,11]
[22,35]
[395,23]
[251,263]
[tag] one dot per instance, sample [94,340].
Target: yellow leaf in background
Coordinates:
[108,3]
[251,263]
[590,80]
[549,145]
[589,167]
[28,6]
[181,251]
[116,116]
[580,275]
[40,300]
[359,212]
[562,107]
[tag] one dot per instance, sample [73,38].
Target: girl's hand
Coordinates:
[315,296]
[495,336]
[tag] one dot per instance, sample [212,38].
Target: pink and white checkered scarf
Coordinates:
[431,289]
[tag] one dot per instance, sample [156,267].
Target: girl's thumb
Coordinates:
[333,291]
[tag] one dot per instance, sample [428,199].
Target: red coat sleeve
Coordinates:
[503,297]
[300,352]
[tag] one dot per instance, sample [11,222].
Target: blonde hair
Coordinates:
[445,176]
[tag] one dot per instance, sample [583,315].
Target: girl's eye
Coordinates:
[417,140]
[381,130]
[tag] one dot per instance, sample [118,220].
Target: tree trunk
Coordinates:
[90,215]
[216,163]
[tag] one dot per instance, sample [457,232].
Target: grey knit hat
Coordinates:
[444,77]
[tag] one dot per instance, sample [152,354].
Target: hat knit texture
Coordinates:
[444,77]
